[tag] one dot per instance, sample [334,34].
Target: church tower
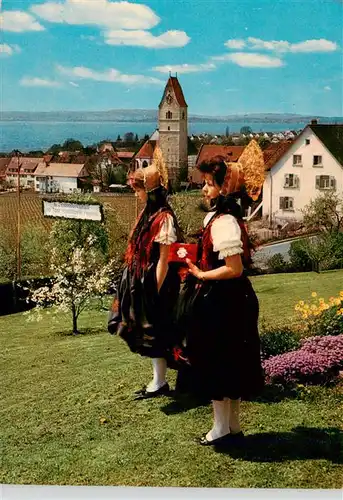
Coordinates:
[172,124]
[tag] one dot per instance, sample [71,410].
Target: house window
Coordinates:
[169,115]
[145,164]
[317,161]
[286,203]
[325,182]
[168,128]
[183,115]
[297,161]
[307,142]
[291,181]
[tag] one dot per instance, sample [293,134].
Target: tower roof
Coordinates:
[174,85]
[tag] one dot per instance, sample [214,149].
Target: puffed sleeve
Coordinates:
[167,233]
[226,236]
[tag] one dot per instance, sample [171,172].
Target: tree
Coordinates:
[136,138]
[119,175]
[227,132]
[55,148]
[319,249]
[324,213]
[263,142]
[79,269]
[118,138]
[129,137]
[246,130]
[72,145]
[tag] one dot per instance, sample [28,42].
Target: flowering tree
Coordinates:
[75,283]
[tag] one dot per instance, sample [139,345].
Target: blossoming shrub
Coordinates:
[318,361]
[319,317]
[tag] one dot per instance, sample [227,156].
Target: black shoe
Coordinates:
[162,391]
[203,441]
[140,391]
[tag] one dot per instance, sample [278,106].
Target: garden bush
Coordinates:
[299,260]
[278,340]
[318,361]
[277,264]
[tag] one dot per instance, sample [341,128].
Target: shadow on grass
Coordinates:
[182,403]
[81,333]
[301,443]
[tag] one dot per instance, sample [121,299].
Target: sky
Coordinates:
[252,56]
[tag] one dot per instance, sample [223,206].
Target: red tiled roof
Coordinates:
[3,166]
[174,85]
[209,151]
[274,152]
[147,150]
[28,164]
[125,154]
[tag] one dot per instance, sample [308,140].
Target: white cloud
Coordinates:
[38,82]
[8,50]
[328,88]
[319,45]
[102,13]
[251,60]
[142,38]
[231,90]
[110,75]
[235,44]
[18,21]
[73,84]
[185,68]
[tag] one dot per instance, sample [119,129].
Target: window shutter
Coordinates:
[317,181]
[297,181]
[282,202]
[290,203]
[286,180]
[332,183]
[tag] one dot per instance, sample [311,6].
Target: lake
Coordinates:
[32,135]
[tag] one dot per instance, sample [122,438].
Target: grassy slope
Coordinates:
[56,388]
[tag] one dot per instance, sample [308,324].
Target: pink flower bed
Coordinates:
[317,361]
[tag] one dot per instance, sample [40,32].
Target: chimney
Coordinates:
[314,121]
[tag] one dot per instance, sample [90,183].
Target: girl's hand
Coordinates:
[193,269]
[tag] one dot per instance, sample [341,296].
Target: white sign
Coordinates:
[69,210]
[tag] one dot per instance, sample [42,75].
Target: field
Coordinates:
[68,416]
[123,206]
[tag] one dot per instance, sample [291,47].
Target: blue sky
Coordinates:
[231,57]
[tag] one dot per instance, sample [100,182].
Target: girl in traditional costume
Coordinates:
[218,312]
[149,285]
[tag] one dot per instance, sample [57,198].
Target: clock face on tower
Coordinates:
[169,98]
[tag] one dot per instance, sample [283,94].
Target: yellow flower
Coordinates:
[314,294]
[341,293]
[313,307]
[305,316]
[301,303]
[332,299]
[306,306]
[337,302]
[321,301]
[297,307]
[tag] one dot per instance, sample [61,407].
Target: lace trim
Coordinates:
[228,252]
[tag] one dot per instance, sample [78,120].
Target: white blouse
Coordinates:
[226,235]
[167,234]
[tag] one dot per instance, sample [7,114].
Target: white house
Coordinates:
[302,169]
[27,168]
[58,177]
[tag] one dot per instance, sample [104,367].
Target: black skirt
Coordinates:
[218,321]
[144,317]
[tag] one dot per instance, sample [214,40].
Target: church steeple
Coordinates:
[173,135]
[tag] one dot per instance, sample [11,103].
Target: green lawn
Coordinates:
[56,389]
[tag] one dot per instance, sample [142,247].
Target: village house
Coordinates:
[27,168]
[4,162]
[298,171]
[59,177]
[209,151]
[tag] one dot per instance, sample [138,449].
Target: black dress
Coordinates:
[142,316]
[218,321]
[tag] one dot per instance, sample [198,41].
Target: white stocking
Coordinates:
[221,424]
[159,366]
[234,407]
